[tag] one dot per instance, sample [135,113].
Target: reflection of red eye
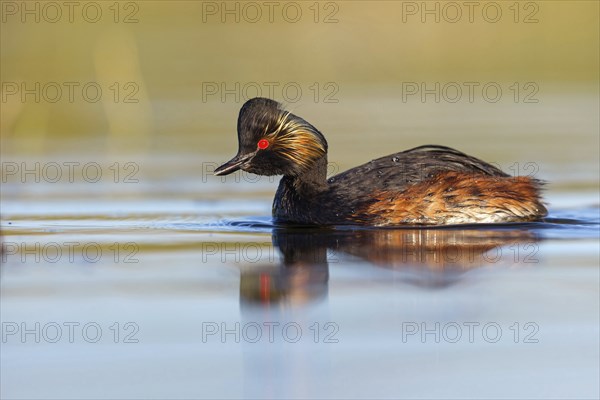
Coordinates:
[263,144]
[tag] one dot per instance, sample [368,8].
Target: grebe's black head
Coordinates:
[273,141]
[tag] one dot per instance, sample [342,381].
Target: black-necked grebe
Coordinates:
[427,185]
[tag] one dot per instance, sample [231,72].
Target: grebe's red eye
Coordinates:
[263,144]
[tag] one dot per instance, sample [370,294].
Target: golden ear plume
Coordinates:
[296,140]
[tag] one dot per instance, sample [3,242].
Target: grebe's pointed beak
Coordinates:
[234,164]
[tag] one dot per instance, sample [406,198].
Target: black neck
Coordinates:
[313,179]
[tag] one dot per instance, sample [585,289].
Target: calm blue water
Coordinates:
[188,298]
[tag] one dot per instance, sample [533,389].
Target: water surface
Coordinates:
[187,289]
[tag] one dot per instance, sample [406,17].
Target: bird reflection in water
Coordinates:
[426,257]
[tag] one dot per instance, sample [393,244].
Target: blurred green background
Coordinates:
[161,66]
